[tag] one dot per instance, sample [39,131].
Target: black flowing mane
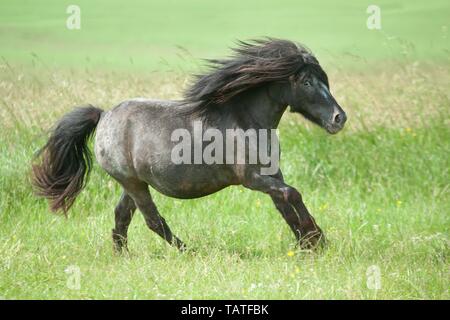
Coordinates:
[253,63]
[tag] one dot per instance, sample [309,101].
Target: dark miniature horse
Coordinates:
[133,143]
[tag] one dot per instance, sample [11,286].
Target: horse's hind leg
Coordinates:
[141,195]
[123,214]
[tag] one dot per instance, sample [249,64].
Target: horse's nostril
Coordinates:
[337,118]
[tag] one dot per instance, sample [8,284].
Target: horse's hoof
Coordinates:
[312,240]
[120,246]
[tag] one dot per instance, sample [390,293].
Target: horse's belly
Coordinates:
[186,192]
[187,181]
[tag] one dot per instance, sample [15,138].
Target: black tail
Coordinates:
[66,159]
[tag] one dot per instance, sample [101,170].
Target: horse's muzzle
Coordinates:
[337,122]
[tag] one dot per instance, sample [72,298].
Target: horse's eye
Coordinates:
[307,83]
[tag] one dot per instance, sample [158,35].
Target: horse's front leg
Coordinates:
[290,204]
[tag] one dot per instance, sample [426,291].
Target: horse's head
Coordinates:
[309,94]
[290,71]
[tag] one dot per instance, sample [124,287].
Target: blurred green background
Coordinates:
[153,34]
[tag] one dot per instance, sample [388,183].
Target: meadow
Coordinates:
[379,189]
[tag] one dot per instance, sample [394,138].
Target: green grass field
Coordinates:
[379,190]
[154,35]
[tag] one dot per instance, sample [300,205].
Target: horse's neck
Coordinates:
[256,109]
